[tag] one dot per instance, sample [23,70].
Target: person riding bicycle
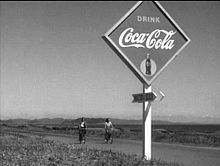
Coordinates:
[82,131]
[108,131]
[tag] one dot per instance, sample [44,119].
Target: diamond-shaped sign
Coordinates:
[147,39]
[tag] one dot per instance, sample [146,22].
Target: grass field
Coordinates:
[30,150]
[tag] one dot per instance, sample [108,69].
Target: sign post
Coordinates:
[146,39]
[147,125]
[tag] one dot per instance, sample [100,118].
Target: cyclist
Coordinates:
[108,131]
[82,130]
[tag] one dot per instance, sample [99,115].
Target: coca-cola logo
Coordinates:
[158,39]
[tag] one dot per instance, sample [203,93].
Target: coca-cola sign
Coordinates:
[147,39]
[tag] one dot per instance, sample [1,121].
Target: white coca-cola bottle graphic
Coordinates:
[148,65]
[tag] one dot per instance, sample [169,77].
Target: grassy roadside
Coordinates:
[195,135]
[18,149]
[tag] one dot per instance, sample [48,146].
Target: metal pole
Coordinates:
[147,125]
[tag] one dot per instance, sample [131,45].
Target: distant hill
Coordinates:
[69,122]
[161,122]
[155,120]
[45,121]
[189,119]
[16,121]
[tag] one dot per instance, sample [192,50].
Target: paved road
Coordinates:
[186,155]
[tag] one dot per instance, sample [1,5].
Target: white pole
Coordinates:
[147,125]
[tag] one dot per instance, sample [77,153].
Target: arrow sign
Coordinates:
[141,97]
[160,96]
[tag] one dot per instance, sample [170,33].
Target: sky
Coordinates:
[54,62]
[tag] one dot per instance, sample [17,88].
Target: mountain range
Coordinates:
[155,120]
[67,122]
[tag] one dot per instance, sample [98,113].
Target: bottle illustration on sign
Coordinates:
[148,65]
